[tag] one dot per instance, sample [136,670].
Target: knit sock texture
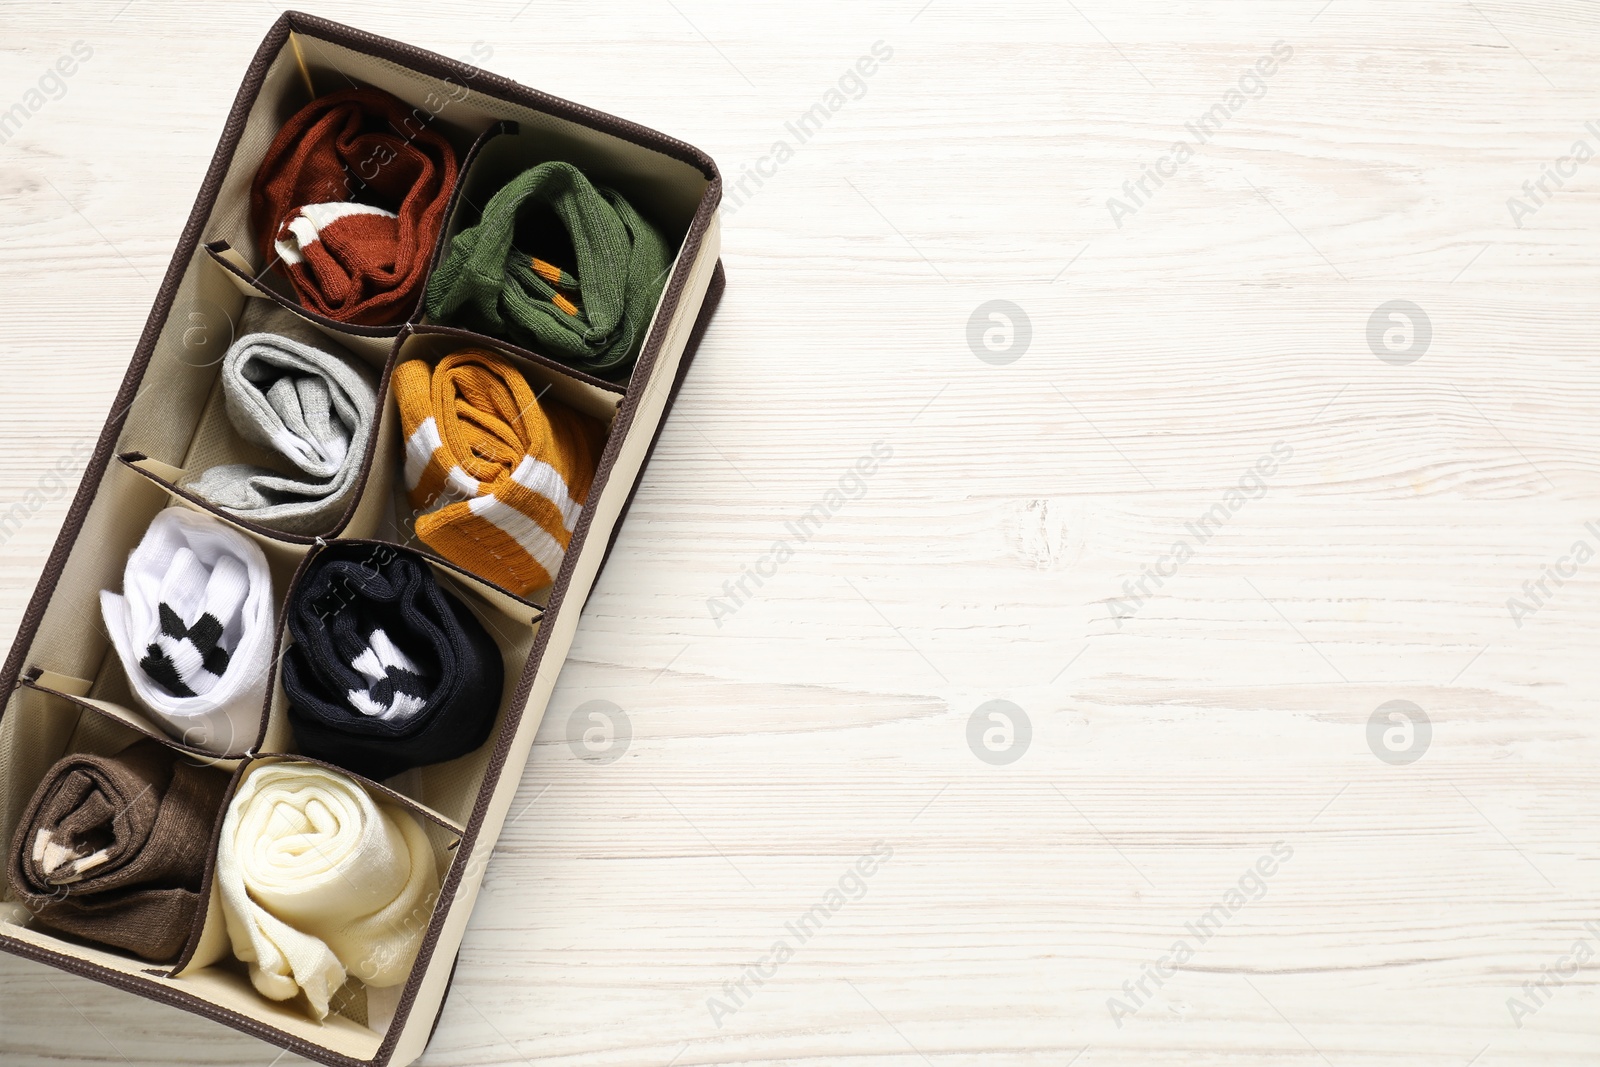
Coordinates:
[193,628]
[348,203]
[593,316]
[292,391]
[388,671]
[318,882]
[113,849]
[497,477]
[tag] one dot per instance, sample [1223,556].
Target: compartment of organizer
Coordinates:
[73,657]
[117,854]
[509,624]
[542,259]
[527,535]
[310,399]
[362,1006]
[340,244]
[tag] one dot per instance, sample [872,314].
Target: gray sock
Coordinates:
[292,391]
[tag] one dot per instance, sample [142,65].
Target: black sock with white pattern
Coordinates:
[388,670]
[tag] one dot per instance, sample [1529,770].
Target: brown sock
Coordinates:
[112,849]
[348,203]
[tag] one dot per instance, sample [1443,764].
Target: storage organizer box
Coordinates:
[65,689]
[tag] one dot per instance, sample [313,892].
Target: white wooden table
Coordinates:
[1172,743]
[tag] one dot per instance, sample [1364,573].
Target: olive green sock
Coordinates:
[593,316]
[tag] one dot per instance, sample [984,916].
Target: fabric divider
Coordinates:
[251,282]
[122,714]
[371,342]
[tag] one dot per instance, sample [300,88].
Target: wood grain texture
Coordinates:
[1172,748]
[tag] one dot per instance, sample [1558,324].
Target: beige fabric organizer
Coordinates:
[64,688]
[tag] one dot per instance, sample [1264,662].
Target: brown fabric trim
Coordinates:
[131,459]
[448,983]
[519,697]
[719,282]
[163,994]
[503,88]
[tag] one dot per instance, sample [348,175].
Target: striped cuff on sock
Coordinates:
[498,487]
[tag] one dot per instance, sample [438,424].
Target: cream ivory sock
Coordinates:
[319,882]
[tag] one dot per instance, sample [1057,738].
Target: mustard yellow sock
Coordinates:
[497,477]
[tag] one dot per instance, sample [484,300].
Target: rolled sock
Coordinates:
[593,317]
[348,202]
[388,671]
[497,477]
[304,227]
[113,849]
[319,881]
[193,629]
[292,391]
